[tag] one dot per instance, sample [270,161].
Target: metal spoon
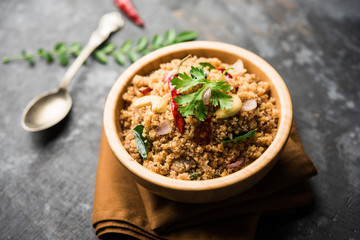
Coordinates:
[51,107]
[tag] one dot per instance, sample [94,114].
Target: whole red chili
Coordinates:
[202,132]
[178,118]
[128,8]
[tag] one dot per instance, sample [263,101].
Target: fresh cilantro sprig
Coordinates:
[193,102]
[128,50]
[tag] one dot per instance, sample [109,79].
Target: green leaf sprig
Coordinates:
[63,52]
[142,47]
[141,142]
[193,102]
[243,136]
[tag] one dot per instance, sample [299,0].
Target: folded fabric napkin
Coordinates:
[123,208]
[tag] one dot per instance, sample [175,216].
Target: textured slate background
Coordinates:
[47,179]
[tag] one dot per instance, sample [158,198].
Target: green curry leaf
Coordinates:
[206,64]
[141,142]
[246,135]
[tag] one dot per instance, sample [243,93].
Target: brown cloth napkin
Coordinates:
[124,209]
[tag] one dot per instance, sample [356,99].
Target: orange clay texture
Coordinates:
[177,155]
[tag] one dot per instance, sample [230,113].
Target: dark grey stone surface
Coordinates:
[47,179]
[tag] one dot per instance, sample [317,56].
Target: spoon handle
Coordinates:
[109,23]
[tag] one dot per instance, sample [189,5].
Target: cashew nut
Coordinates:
[158,103]
[235,108]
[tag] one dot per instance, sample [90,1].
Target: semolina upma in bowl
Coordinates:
[198,121]
[206,146]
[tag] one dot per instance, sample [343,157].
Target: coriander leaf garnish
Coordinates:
[184,81]
[219,97]
[141,142]
[193,101]
[246,135]
[198,74]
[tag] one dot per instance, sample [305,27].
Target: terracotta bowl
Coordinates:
[205,190]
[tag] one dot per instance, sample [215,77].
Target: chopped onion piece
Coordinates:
[238,65]
[237,163]
[168,75]
[163,128]
[206,95]
[249,105]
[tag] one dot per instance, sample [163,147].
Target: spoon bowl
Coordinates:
[46,110]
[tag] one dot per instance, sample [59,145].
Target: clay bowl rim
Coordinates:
[271,152]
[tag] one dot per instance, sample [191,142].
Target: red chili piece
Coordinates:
[222,71]
[128,8]
[202,133]
[178,118]
[145,91]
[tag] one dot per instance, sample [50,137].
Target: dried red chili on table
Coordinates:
[128,8]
